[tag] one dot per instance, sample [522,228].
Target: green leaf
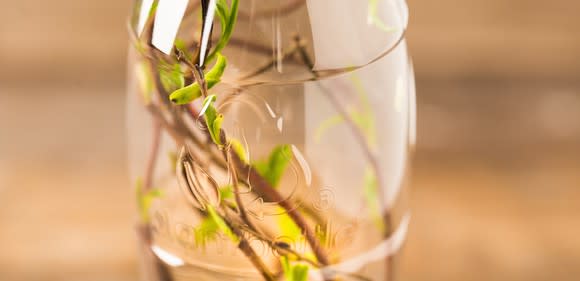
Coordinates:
[171,77]
[286,268]
[221,224]
[228,18]
[190,93]
[206,231]
[145,200]
[186,94]
[239,149]
[300,272]
[213,119]
[287,225]
[273,169]
[297,272]
[226,192]
[181,47]
[371,193]
[216,72]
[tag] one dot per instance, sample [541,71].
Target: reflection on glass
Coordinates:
[279,152]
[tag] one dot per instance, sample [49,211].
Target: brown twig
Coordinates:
[264,189]
[235,182]
[245,247]
[268,192]
[153,155]
[269,65]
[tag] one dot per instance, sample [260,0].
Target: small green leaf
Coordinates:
[190,93]
[206,231]
[288,226]
[296,272]
[186,94]
[226,192]
[286,267]
[239,149]
[221,224]
[273,169]
[300,272]
[171,77]
[181,47]
[228,18]
[213,119]
[217,71]
[145,200]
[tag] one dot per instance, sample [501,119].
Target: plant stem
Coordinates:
[235,182]
[264,189]
[371,157]
[268,192]
[269,65]
[153,155]
[245,247]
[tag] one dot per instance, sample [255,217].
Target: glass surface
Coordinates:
[301,173]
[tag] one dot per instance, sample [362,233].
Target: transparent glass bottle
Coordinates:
[269,140]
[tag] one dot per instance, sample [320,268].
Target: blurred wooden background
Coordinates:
[496,187]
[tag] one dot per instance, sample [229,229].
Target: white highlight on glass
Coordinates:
[303,164]
[412,107]
[144,15]
[400,92]
[207,30]
[167,21]
[167,257]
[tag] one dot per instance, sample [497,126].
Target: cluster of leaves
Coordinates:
[228,16]
[185,95]
[272,169]
[213,119]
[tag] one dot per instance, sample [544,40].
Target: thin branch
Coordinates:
[371,157]
[269,65]
[153,155]
[235,182]
[264,189]
[279,11]
[245,247]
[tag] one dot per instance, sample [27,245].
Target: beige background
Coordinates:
[496,182]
